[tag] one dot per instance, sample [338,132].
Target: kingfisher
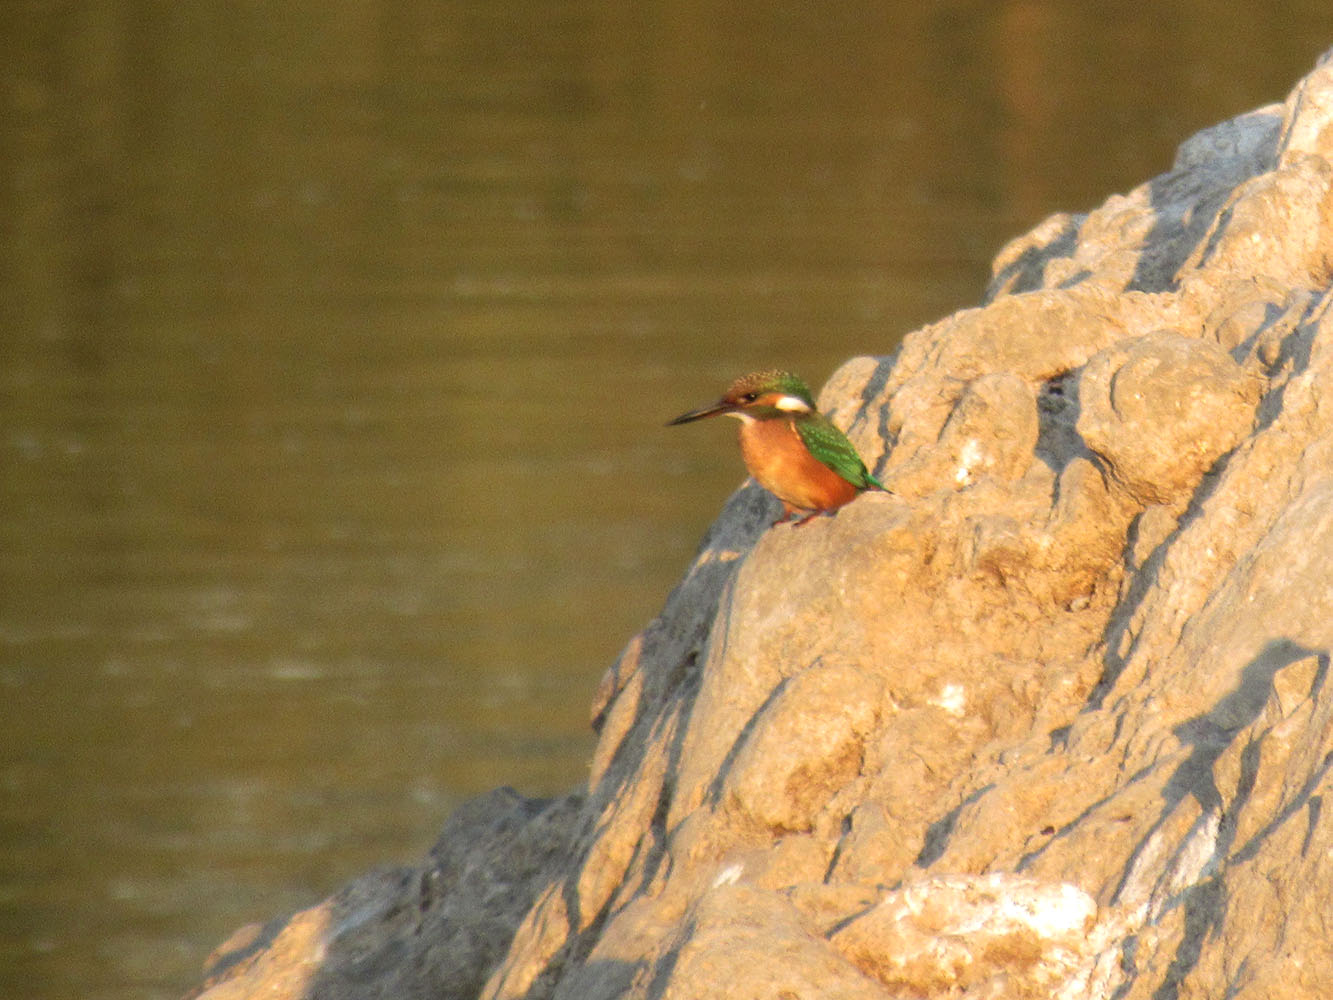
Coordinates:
[791,449]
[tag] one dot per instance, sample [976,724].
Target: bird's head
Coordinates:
[766,395]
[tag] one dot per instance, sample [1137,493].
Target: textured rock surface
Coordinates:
[1051,720]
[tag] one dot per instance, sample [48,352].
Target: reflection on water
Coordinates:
[334,361]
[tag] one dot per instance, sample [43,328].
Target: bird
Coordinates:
[790,448]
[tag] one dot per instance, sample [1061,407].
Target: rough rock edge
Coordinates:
[1050,721]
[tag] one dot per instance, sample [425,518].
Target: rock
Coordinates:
[990,431]
[1159,410]
[434,930]
[1051,719]
[993,935]
[804,745]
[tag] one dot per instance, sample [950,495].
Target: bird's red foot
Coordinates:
[787,515]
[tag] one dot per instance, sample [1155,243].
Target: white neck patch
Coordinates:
[791,404]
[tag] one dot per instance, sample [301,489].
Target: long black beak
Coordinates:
[721,406]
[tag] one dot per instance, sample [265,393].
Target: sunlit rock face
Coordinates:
[1052,718]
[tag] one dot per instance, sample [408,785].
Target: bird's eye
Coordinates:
[750,397]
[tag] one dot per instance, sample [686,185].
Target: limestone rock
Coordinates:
[805,745]
[999,935]
[434,930]
[1161,409]
[1051,719]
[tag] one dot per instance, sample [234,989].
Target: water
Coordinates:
[335,348]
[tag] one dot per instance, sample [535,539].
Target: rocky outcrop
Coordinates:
[1052,719]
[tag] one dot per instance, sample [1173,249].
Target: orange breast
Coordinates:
[781,464]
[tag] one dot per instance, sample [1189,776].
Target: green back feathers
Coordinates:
[830,446]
